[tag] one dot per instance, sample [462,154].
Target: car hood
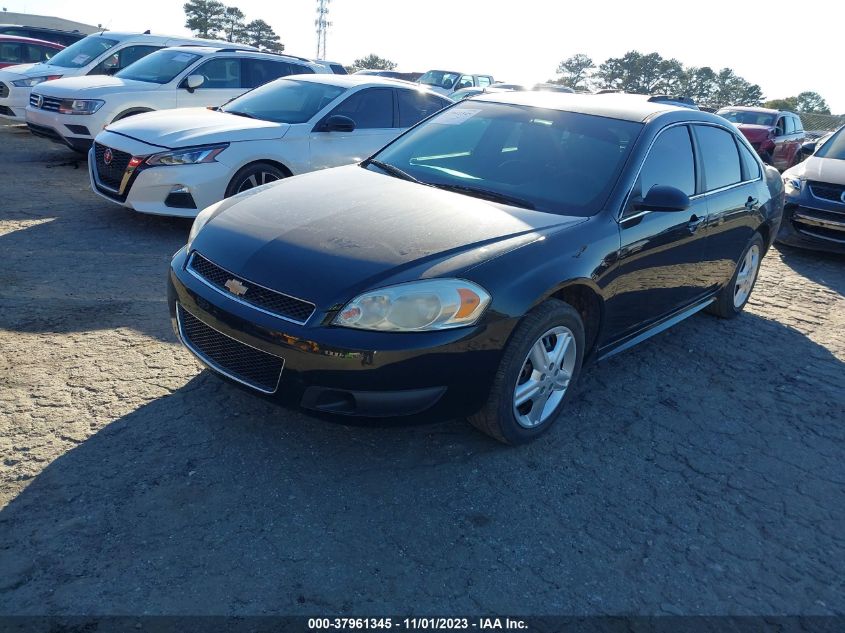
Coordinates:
[19,71]
[328,235]
[754,132]
[92,86]
[828,170]
[184,127]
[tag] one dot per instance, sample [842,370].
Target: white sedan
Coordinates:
[180,161]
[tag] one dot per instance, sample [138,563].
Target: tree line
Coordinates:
[213,19]
[650,73]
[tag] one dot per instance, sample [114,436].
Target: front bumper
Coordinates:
[75,131]
[813,223]
[151,189]
[340,370]
[13,104]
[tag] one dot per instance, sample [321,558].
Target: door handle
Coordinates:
[751,203]
[694,223]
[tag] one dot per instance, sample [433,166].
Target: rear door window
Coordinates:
[222,72]
[719,156]
[257,72]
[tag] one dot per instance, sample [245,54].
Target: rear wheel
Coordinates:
[253,176]
[733,297]
[539,369]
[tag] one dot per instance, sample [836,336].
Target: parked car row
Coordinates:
[368,246]
[16,50]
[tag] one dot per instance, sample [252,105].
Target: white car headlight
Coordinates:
[80,106]
[431,304]
[203,218]
[188,156]
[791,185]
[29,82]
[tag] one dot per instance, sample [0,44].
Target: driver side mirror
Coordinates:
[338,123]
[664,198]
[194,81]
[809,148]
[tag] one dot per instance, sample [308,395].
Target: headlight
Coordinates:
[203,218]
[433,304]
[29,82]
[80,106]
[188,156]
[791,185]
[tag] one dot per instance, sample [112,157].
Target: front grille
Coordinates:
[111,175]
[276,303]
[232,358]
[47,103]
[4,90]
[827,191]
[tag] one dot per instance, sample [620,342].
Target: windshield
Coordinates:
[160,67]
[558,162]
[85,50]
[749,118]
[439,78]
[834,147]
[285,101]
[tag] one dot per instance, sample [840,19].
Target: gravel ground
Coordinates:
[701,473]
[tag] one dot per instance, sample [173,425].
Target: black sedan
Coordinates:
[475,263]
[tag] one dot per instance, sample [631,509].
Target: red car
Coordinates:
[24,50]
[777,135]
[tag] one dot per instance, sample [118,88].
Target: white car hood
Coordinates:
[36,70]
[92,86]
[185,127]
[819,169]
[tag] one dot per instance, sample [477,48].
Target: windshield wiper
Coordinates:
[239,113]
[391,169]
[486,194]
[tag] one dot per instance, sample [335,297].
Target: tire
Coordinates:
[732,299]
[252,176]
[555,323]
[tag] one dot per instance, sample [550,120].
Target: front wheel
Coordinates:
[539,369]
[253,176]
[732,298]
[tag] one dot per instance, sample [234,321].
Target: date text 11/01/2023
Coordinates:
[418,623]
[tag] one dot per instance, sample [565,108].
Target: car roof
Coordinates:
[353,81]
[29,40]
[45,29]
[235,50]
[179,40]
[755,109]
[627,107]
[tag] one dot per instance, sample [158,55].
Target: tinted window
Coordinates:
[750,167]
[553,161]
[83,52]
[414,106]
[34,53]
[257,72]
[122,58]
[670,162]
[790,125]
[285,101]
[719,157]
[159,67]
[10,53]
[337,69]
[370,108]
[223,72]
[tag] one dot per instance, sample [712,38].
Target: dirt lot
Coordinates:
[703,472]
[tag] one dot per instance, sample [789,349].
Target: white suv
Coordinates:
[103,53]
[180,161]
[73,111]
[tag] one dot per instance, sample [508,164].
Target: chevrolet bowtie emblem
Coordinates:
[236,287]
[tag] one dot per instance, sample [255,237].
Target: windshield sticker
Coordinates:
[81,58]
[183,57]
[455,116]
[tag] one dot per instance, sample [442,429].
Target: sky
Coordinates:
[767,43]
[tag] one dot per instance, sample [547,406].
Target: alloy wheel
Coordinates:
[544,377]
[256,180]
[746,276]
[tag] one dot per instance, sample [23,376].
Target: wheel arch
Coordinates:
[582,295]
[269,161]
[131,112]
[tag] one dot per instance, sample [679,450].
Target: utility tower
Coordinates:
[322,23]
